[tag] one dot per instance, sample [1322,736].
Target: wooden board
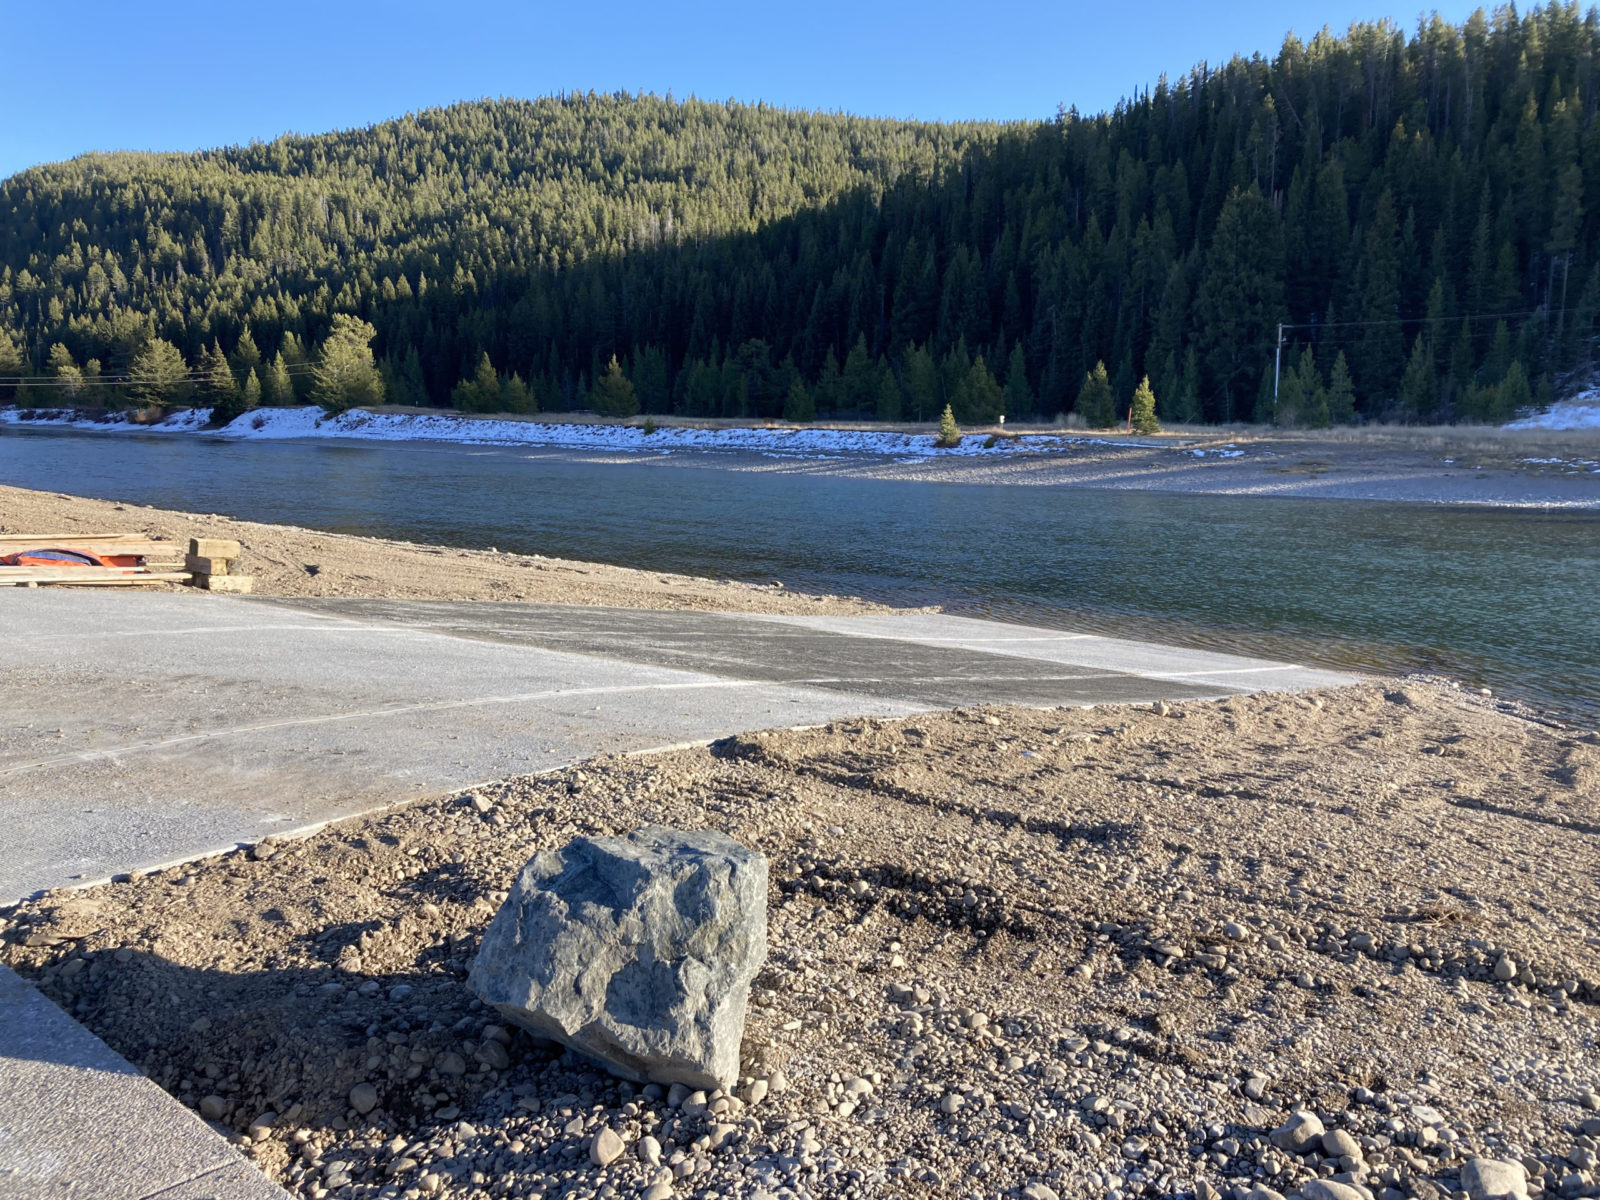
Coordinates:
[85,575]
[93,537]
[120,581]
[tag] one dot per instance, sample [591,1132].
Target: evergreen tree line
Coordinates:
[1420,211]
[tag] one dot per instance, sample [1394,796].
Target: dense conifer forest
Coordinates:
[1421,209]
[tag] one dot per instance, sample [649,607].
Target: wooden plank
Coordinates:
[42,538]
[238,584]
[214,548]
[108,581]
[201,565]
[122,581]
[48,574]
[65,569]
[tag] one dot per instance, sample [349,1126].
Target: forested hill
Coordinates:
[1422,209]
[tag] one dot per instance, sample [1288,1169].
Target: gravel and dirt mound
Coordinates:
[287,561]
[1083,953]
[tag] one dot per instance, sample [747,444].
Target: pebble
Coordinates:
[1331,1189]
[648,1150]
[363,1098]
[1505,969]
[213,1108]
[657,1191]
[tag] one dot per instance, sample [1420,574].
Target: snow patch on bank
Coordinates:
[311,422]
[1580,412]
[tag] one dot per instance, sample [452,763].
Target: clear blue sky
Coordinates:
[178,75]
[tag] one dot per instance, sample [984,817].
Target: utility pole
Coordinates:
[1277,368]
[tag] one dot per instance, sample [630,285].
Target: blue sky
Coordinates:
[185,76]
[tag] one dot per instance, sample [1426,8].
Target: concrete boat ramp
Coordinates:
[142,730]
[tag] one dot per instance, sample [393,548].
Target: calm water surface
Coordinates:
[1506,598]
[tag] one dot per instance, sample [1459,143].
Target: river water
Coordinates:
[1506,598]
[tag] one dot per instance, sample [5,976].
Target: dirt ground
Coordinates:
[1095,953]
[287,561]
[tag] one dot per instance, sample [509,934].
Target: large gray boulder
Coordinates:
[637,951]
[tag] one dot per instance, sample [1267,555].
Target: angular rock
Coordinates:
[1299,1133]
[1339,1144]
[1493,1179]
[606,1147]
[637,951]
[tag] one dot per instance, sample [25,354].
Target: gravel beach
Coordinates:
[1344,943]
[287,561]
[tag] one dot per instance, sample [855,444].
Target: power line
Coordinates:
[190,376]
[1532,312]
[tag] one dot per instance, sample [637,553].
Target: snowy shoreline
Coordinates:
[1248,467]
[313,422]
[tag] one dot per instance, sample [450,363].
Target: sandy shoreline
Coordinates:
[288,561]
[1533,468]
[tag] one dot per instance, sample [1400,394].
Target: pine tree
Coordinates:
[949,432]
[650,380]
[246,356]
[798,405]
[1186,407]
[69,377]
[1341,392]
[345,375]
[1515,395]
[921,377]
[158,378]
[1095,403]
[829,392]
[859,381]
[278,387]
[11,364]
[250,393]
[613,394]
[888,400]
[1019,397]
[1142,413]
[298,364]
[517,397]
[980,395]
[481,393]
[218,389]
[1419,390]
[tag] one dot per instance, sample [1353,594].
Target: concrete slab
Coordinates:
[942,662]
[1150,661]
[79,1123]
[143,730]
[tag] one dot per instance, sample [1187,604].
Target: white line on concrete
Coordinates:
[398,710]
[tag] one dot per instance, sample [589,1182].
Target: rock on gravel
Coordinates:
[1330,1189]
[637,951]
[1492,1179]
[1299,1133]
[605,1148]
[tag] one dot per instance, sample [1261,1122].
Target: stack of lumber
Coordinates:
[212,563]
[145,557]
